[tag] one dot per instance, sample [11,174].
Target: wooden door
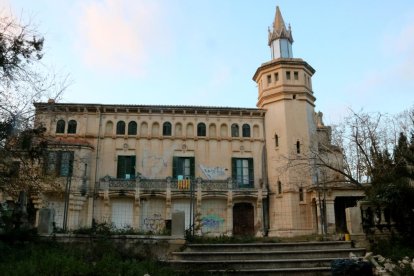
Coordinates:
[243,219]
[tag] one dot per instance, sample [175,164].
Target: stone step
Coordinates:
[284,246]
[239,265]
[310,271]
[267,255]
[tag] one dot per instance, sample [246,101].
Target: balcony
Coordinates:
[161,185]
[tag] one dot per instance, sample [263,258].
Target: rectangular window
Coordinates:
[301,195]
[126,167]
[60,163]
[242,172]
[276,76]
[288,75]
[296,75]
[269,79]
[183,168]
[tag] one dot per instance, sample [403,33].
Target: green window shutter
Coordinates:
[132,166]
[251,172]
[121,167]
[233,168]
[175,165]
[192,167]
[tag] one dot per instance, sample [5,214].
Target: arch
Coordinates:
[178,131]
[256,131]
[132,128]
[166,129]
[246,130]
[144,129]
[234,130]
[223,130]
[190,130]
[60,126]
[155,130]
[120,128]
[201,129]
[109,128]
[72,126]
[212,130]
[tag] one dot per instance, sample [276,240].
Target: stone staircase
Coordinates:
[294,258]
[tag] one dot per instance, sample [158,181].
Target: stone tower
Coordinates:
[285,92]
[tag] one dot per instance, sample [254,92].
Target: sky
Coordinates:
[205,52]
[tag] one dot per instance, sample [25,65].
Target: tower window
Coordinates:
[72,126]
[276,140]
[269,79]
[279,187]
[120,127]
[294,96]
[60,126]
[166,129]
[297,147]
[296,75]
[301,194]
[132,128]
[234,130]
[276,76]
[201,129]
[288,75]
[246,130]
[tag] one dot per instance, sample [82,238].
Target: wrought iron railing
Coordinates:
[110,183]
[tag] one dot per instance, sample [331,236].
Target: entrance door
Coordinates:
[243,219]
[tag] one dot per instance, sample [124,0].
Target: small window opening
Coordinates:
[301,194]
[269,79]
[294,96]
[297,147]
[296,75]
[288,75]
[279,187]
[276,76]
[276,140]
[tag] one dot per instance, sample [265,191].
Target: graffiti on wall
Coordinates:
[211,222]
[213,172]
[154,223]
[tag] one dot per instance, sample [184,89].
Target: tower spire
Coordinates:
[280,38]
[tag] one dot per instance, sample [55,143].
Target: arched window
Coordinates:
[132,128]
[276,140]
[72,126]
[166,129]
[120,127]
[201,129]
[60,126]
[298,147]
[109,127]
[246,130]
[234,130]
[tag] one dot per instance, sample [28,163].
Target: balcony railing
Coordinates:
[173,184]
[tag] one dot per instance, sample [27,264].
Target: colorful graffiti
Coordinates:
[211,222]
[154,223]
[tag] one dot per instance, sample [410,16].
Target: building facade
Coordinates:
[232,171]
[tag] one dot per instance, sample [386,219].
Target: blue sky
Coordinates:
[205,52]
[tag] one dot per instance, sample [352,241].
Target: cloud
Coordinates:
[118,36]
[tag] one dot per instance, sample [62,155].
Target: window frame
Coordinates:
[179,167]
[166,129]
[57,165]
[132,128]
[246,130]
[60,126]
[122,164]
[201,130]
[235,130]
[120,128]
[238,172]
[72,125]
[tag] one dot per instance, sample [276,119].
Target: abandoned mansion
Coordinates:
[231,171]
